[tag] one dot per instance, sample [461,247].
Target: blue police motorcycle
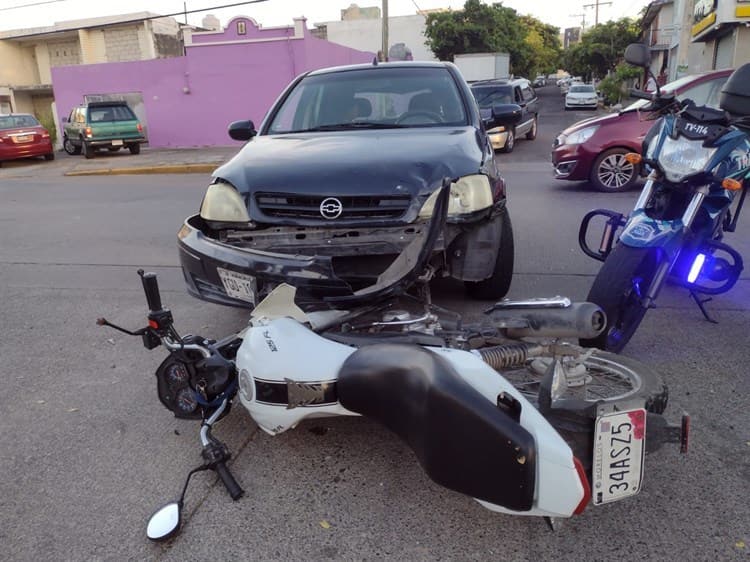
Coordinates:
[698,163]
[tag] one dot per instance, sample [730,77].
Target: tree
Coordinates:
[601,48]
[482,28]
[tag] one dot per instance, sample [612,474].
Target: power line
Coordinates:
[29,5]
[138,20]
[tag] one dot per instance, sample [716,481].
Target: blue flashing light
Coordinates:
[695,269]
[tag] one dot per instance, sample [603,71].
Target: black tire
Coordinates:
[498,285]
[575,419]
[611,173]
[70,148]
[134,148]
[614,291]
[88,150]
[114,148]
[50,156]
[510,142]
[531,135]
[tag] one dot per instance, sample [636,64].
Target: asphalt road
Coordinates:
[88,452]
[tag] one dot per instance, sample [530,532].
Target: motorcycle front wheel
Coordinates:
[618,289]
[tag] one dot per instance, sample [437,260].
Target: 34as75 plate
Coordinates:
[619,446]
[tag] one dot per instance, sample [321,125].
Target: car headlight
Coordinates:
[581,136]
[468,195]
[682,157]
[223,203]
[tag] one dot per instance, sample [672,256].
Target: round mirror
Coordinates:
[164,523]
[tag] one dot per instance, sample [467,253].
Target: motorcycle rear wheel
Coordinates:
[624,278]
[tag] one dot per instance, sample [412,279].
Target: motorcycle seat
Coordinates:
[462,440]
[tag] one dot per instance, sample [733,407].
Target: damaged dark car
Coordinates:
[342,178]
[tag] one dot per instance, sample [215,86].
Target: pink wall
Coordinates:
[224,82]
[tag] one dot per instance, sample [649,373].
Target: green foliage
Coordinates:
[601,48]
[615,86]
[533,46]
[49,123]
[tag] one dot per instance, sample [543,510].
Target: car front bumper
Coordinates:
[497,138]
[571,162]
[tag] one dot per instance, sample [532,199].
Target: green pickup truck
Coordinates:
[111,125]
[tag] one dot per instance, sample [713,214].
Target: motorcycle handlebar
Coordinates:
[234,489]
[151,288]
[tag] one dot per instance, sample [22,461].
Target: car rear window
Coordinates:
[372,97]
[99,114]
[581,89]
[487,96]
[16,121]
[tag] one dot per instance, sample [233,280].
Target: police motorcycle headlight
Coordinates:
[223,203]
[678,158]
[468,195]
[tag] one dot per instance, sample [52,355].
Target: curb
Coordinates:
[160,169]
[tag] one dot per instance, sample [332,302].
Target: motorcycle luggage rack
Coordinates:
[615,221]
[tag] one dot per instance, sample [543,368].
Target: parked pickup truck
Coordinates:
[111,125]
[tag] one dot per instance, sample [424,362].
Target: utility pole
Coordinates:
[583,21]
[385,30]
[596,5]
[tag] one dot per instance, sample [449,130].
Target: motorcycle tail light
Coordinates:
[695,269]
[633,158]
[731,184]
[586,487]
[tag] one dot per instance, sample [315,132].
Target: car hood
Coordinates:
[601,120]
[382,162]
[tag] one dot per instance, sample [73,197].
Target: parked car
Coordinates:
[520,92]
[107,124]
[540,81]
[22,136]
[581,96]
[339,182]
[594,149]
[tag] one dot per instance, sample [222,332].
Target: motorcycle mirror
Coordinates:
[638,54]
[165,522]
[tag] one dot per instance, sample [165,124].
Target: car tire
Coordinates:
[498,284]
[114,148]
[611,173]
[510,142]
[88,150]
[70,148]
[531,135]
[134,148]
[50,156]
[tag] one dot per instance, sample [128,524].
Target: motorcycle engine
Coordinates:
[187,386]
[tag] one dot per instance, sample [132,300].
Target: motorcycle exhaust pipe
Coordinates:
[549,318]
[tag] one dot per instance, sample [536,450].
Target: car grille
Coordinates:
[285,205]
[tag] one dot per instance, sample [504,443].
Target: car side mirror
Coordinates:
[242,130]
[505,114]
[638,54]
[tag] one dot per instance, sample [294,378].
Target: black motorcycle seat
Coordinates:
[462,440]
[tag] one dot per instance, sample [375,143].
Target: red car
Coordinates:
[594,149]
[22,136]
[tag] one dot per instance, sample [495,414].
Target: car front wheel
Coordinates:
[70,148]
[612,173]
[498,284]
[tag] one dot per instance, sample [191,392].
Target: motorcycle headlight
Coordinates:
[468,195]
[682,157]
[223,203]
[579,137]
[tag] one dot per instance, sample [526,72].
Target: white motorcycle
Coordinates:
[502,411]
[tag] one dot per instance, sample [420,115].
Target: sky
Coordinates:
[18,14]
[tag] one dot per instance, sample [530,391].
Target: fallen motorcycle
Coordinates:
[501,410]
[699,162]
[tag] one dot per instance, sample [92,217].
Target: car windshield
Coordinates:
[374,98]
[16,121]
[581,89]
[671,87]
[487,96]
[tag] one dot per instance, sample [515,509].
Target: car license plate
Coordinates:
[238,285]
[23,138]
[619,446]
[116,143]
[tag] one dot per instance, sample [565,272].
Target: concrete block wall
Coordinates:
[122,44]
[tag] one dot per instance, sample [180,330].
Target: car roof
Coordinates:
[364,66]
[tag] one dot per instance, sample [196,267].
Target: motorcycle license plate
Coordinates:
[619,446]
[238,285]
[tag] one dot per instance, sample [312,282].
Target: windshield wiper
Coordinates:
[350,126]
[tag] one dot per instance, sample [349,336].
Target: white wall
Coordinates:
[366,34]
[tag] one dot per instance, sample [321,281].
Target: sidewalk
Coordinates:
[203,160]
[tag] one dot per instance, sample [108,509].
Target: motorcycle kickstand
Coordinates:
[701,302]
